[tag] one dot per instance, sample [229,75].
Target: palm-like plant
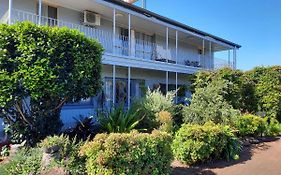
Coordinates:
[119,120]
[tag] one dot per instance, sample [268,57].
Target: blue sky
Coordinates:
[254,24]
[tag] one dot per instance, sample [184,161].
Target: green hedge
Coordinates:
[129,154]
[251,125]
[199,143]
[257,90]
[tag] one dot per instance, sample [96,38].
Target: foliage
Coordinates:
[5,151]
[198,143]
[273,127]
[151,104]
[251,125]
[119,120]
[178,116]
[257,90]
[128,154]
[267,89]
[68,153]
[41,69]
[26,161]
[165,120]
[234,89]
[208,104]
[83,129]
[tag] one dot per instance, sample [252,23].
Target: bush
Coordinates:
[257,90]
[273,127]
[199,143]
[151,104]
[26,161]
[41,69]
[251,125]
[267,89]
[128,154]
[119,120]
[208,104]
[165,120]
[68,157]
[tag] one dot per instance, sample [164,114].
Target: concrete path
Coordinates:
[262,159]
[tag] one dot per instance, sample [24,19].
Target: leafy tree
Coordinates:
[41,69]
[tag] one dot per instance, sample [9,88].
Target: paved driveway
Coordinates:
[262,159]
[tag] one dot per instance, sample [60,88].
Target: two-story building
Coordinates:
[142,49]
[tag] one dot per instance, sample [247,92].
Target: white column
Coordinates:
[210,59]
[10,12]
[176,47]
[234,58]
[167,81]
[129,87]
[39,11]
[129,33]
[176,87]
[229,63]
[203,54]
[114,29]
[167,43]
[114,85]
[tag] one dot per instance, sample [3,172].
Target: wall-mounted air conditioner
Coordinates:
[91,18]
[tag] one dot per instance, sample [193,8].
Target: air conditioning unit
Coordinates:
[91,18]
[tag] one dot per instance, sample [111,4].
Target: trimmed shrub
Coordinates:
[41,69]
[251,125]
[199,143]
[208,104]
[128,154]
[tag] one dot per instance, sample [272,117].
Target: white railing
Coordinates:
[141,49]
[220,63]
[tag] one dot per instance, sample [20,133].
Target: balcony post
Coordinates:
[176,47]
[129,34]
[39,11]
[167,82]
[114,29]
[176,87]
[10,12]
[114,85]
[234,58]
[229,63]
[129,87]
[210,59]
[203,54]
[167,43]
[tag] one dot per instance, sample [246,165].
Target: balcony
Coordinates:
[137,49]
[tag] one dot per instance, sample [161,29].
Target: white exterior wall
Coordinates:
[4,10]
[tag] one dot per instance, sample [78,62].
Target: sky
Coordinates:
[253,24]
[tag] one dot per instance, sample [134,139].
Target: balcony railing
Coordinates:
[140,49]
